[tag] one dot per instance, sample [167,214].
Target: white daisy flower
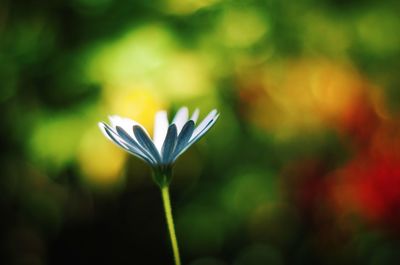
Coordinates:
[170,139]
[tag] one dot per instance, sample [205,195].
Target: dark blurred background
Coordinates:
[303,166]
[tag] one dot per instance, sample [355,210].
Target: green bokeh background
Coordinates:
[308,93]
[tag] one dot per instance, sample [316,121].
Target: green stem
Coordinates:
[170,222]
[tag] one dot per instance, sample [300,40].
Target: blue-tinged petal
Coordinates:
[169,144]
[181,117]
[102,126]
[183,138]
[145,141]
[111,135]
[134,145]
[115,138]
[123,122]
[205,129]
[204,123]
[198,136]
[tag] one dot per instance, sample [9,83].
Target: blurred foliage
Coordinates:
[302,168]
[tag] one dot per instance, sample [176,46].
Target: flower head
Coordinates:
[170,139]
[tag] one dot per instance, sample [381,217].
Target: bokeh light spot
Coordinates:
[100,161]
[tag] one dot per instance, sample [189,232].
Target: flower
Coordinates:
[170,140]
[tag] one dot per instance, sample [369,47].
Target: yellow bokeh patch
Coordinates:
[100,161]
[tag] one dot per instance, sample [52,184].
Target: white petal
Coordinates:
[118,140]
[181,117]
[160,129]
[125,123]
[204,123]
[198,136]
[195,115]
[101,126]
[205,129]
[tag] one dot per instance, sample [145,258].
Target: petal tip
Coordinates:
[102,125]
